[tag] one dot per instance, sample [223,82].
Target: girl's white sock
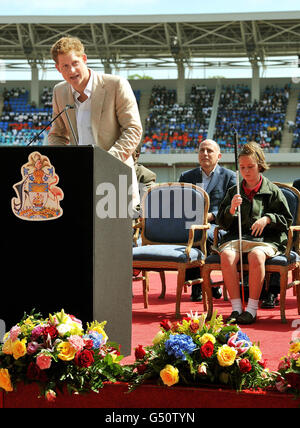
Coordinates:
[237,305]
[252,307]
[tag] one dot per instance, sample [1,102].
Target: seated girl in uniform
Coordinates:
[265,219]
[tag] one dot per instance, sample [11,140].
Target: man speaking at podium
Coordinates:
[102,107]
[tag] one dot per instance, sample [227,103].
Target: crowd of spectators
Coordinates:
[21,120]
[295,128]
[172,127]
[261,121]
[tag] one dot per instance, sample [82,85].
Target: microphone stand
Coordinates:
[239,215]
[68,106]
[70,124]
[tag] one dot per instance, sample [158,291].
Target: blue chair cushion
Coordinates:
[280,260]
[170,211]
[166,253]
[212,259]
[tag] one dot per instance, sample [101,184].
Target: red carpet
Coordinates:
[268,331]
[114,399]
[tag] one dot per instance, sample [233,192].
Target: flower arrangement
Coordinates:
[57,352]
[288,379]
[197,352]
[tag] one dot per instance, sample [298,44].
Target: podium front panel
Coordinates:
[80,261]
[48,265]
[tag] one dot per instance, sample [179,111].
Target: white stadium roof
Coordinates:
[119,40]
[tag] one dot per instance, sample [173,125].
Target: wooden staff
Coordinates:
[239,215]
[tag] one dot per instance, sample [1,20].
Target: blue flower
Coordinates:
[97,339]
[177,344]
[243,336]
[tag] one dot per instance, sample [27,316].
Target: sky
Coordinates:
[144,7]
[141,7]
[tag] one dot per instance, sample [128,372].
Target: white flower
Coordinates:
[193,316]
[63,329]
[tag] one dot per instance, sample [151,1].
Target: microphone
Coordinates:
[68,106]
[64,110]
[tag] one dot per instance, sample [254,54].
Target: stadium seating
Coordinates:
[296,129]
[261,121]
[21,120]
[171,127]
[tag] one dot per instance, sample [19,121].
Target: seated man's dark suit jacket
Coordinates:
[220,182]
[296,184]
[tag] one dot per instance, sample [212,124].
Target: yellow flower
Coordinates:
[7,347]
[27,326]
[5,381]
[114,356]
[226,355]
[158,337]
[184,327]
[298,362]
[169,375]
[18,348]
[66,351]
[255,352]
[206,337]
[295,347]
[99,328]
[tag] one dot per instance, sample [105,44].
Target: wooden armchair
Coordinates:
[283,264]
[173,231]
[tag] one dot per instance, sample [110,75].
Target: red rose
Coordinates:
[88,343]
[294,380]
[207,349]
[139,352]
[262,363]
[52,331]
[141,369]
[165,325]
[35,373]
[175,326]
[84,358]
[194,326]
[245,365]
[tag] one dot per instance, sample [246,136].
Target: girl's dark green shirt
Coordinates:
[268,201]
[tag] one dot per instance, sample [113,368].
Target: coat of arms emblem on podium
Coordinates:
[38,197]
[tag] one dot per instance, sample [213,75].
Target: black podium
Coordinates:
[80,261]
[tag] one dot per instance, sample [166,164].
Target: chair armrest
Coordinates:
[216,232]
[289,246]
[192,235]
[138,224]
[136,227]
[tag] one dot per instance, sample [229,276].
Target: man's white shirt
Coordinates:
[83,114]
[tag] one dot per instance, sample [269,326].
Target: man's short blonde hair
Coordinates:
[65,45]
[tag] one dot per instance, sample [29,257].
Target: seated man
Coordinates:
[215,180]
